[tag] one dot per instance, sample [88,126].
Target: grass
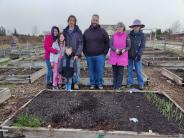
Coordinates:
[10,86]
[28,121]
[166,107]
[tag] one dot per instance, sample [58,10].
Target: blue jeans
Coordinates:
[96,66]
[76,77]
[49,72]
[138,69]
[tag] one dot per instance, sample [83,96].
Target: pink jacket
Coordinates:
[48,47]
[119,42]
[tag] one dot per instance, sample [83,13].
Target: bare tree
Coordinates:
[176,27]
[2,31]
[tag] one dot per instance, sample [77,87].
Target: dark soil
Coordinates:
[17,71]
[100,111]
[179,72]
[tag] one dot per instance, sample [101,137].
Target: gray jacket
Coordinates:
[74,40]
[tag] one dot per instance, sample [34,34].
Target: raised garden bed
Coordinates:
[108,77]
[176,75]
[4,94]
[162,54]
[96,114]
[162,62]
[20,75]
[36,61]
[152,51]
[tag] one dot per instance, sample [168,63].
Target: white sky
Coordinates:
[25,14]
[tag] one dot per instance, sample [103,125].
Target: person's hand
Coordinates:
[138,57]
[52,65]
[117,51]
[123,50]
[76,57]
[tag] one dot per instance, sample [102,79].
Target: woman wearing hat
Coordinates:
[120,44]
[137,38]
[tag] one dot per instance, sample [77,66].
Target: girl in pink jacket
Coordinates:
[55,61]
[120,44]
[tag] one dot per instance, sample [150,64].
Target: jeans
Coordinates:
[96,66]
[76,77]
[138,70]
[49,72]
[117,76]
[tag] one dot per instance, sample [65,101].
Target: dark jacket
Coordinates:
[67,66]
[96,41]
[137,44]
[74,40]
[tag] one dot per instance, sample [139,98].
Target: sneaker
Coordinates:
[76,87]
[60,86]
[92,87]
[69,88]
[49,86]
[100,87]
[55,88]
[141,87]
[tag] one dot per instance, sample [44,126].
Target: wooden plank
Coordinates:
[37,75]
[82,133]
[172,76]
[176,104]
[145,62]
[4,94]
[22,78]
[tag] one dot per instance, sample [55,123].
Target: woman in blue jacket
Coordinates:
[137,38]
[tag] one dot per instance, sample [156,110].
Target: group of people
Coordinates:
[63,51]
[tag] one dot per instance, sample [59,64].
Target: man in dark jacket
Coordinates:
[96,46]
[137,38]
[74,39]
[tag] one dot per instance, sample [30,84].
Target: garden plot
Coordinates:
[163,54]
[176,75]
[99,114]
[20,75]
[150,50]
[4,94]
[108,77]
[162,62]
[36,61]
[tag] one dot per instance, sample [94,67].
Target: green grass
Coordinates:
[166,107]
[5,62]
[10,86]
[28,121]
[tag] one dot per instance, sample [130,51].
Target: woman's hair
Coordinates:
[120,24]
[61,33]
[52,33]
[72,16]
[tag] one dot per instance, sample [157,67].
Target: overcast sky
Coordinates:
[25,14]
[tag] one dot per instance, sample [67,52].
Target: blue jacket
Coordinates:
[137,44]
[74,40]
